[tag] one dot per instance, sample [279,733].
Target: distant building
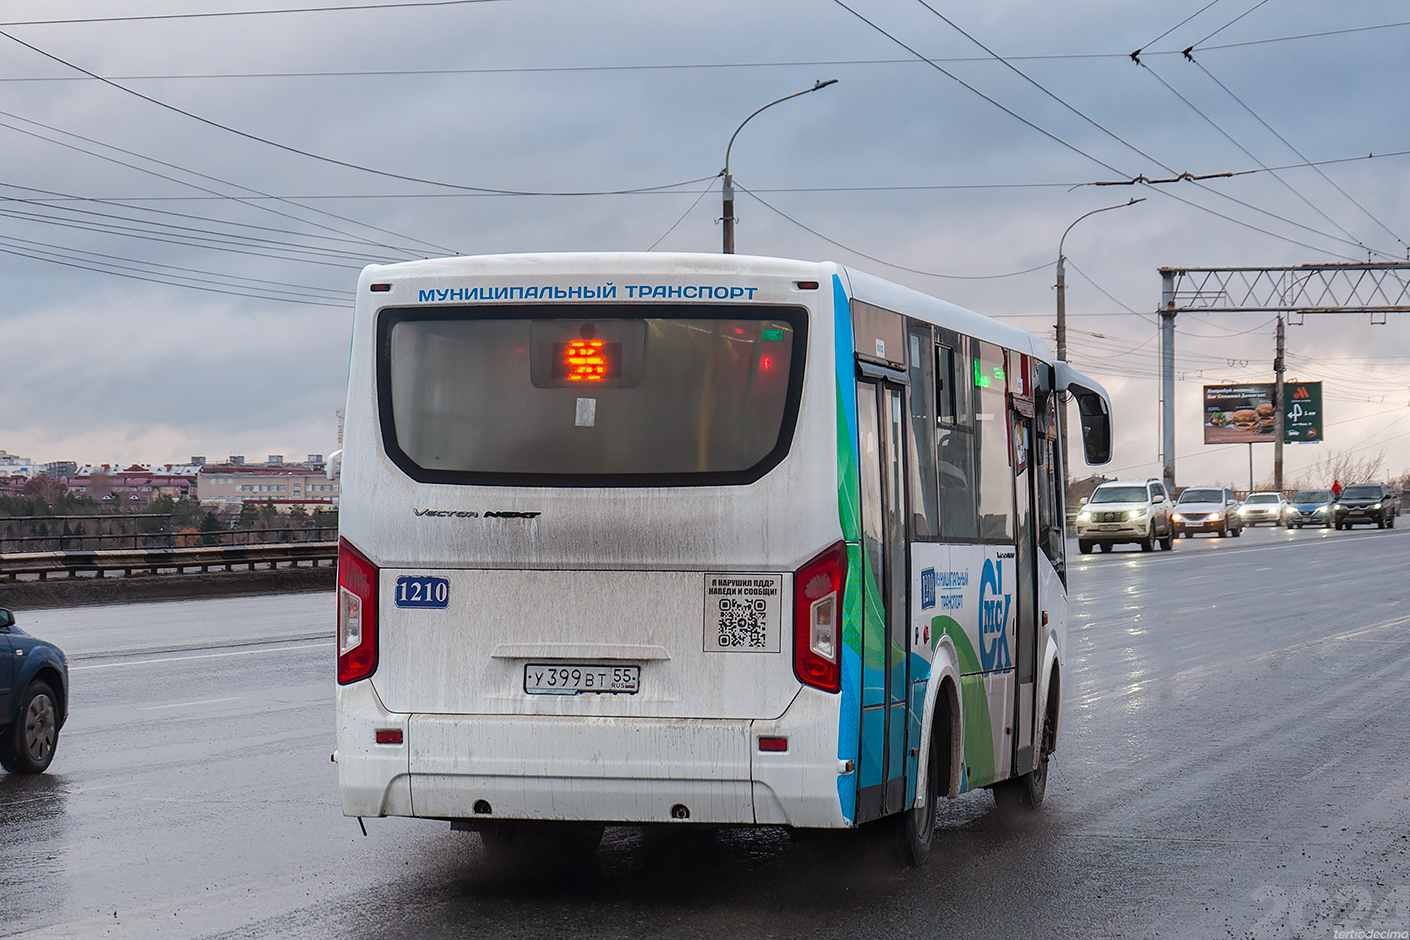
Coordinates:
[136,485]
[61,469]
[12,465]
[285,485]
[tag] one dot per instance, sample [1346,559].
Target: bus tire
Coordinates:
[920,821]
[1025,793]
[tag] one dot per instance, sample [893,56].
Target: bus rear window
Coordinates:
[602,395]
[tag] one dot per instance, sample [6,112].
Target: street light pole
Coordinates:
[728,189]
[1062,320]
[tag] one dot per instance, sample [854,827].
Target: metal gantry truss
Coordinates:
[1306,288]
[1375,288]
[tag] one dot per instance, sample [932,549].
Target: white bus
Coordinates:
[635,538]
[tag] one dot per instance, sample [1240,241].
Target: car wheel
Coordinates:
[1084,547]
[28,746]
[1237,532]
[1390,523]
[1223,532]
[1167,543]
[1148,543]
[1107,546]
[1381,522]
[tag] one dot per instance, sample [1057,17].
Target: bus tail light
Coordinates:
[817,615]
[357,614]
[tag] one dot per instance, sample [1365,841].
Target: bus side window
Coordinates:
[1050,520]
[925,522]
[955,445]
[996,472]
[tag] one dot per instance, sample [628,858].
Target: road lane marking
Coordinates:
[177,659]
[208,701]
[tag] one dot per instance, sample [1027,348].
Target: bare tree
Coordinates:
[1348,468]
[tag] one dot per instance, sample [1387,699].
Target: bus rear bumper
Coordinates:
[575,769]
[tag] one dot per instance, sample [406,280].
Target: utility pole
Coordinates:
[1278,417]
[727,217]
[1061,325]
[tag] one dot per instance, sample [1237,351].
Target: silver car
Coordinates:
[1207,509]
[1272,508]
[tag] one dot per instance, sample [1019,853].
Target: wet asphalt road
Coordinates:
[1232,763]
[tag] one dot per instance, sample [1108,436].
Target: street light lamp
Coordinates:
[728,191]
[1062,319]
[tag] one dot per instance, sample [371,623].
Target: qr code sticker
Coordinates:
[742,623]
[742,613]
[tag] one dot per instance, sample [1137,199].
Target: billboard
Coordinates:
[1302,412]
[1238,414]
[1244,414]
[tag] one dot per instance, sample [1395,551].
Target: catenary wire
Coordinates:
[213,179]
[1199,65]
[889,264]
[334,161]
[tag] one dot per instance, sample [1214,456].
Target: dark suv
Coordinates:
[1366,502]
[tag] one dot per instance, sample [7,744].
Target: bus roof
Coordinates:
[609,264]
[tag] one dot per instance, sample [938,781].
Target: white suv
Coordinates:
[1126,511]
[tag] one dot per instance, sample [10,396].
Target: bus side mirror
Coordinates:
[1093,410]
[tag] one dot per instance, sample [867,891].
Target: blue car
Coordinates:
[34,695]
[1311,507]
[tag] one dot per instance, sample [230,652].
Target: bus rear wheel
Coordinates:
[1025,793]
[920,820]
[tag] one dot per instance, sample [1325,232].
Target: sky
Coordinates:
[188,189]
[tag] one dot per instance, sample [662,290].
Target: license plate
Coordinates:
[580,679]
[1109,527]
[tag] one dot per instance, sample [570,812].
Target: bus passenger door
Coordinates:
[1027,616]
[881,779]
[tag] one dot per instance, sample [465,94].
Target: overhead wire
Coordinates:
[1054,137]
[132,264]
[1199,65]
[213,14]
[213,179]
[889,264]
[950,75]
[1230,23]
[1350,239]
[334,161]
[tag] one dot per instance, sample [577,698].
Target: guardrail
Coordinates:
[98,564]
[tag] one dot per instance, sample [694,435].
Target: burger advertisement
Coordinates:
[1239,414]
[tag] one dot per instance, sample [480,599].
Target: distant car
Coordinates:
[1124,511]
[1366,502]
[1311,507]
[1207,509]
[34,694]
[1272,508]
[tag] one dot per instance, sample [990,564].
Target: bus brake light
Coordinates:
[817,606]
[357,614]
